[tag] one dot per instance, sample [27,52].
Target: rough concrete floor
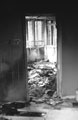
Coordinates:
[64,111]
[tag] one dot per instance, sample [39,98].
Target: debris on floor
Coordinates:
[42,80]
[3,118]
[11,108]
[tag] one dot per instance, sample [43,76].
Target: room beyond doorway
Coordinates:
[41,46]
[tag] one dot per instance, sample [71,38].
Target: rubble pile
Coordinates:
[42,79]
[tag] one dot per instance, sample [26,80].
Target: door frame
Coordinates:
[59,58]
[59,53]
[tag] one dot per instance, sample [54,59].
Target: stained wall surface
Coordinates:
[69,54]
[12,63]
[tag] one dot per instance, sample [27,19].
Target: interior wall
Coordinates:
[69,54]
[12,72]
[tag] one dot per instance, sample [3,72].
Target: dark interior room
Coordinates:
[46,27]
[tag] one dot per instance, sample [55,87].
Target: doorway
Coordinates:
[41,47]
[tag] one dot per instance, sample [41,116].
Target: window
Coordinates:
[42,32]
